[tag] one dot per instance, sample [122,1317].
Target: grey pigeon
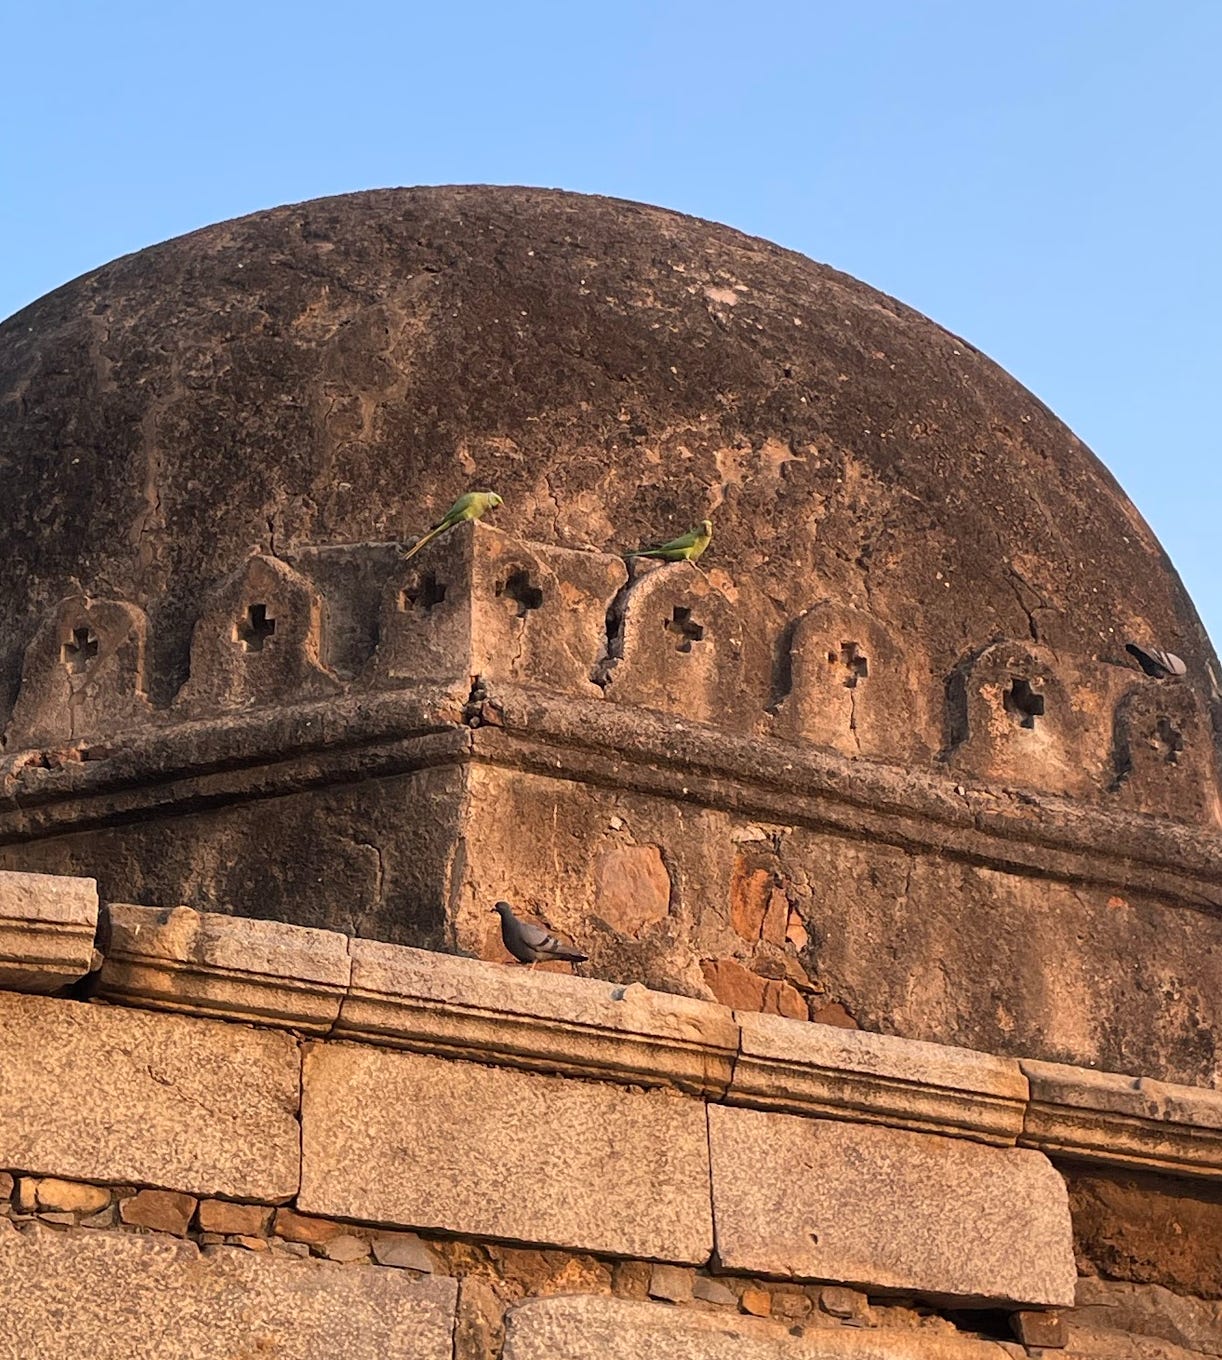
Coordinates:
[533,944]
[1157,663]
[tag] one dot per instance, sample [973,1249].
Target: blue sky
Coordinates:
[1041,178]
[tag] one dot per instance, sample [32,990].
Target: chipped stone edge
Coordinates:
[484,1012]
[41,947]
[1113,1119]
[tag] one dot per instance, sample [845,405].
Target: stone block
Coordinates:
[102,1093]
[258,640]
[1018,715]
[1164,752]
[683,648]
[1150,1311]
[83,675]
[119,1295]
[887,1208]
[672,1283]
[1136,1121]
[854,689]
[417,1141]
[852,1074]
[221,1216]
[404,1250]
[739,987]
[47,928]
[585,1327]
[167,1211]
[480,602]
[231,967]
[70,1196]
[303,1228]
[413,998]
[345,1248]
[708,1290]
[1036,1327]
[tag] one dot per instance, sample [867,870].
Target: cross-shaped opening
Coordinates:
[854,663]
[1023,703]
[1168,739]
[79,650]
[522,591]
[427,593]
[684,627]
[255,628]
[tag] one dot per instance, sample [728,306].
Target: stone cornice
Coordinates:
[318,982]
[266,752]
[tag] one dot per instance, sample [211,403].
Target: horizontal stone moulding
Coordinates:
[440,1003]
[230,967]
[1132,1121]
[851,1074]
[47,928]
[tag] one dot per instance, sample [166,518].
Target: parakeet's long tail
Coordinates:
[422,541]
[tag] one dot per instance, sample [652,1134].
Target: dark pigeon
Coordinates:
[533,944]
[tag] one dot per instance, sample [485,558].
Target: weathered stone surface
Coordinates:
[423,1142]
[258,641]
[231,967]
[479,602]
[757,1302]
[313,1232]
[843,1303]
[47,928]
[822,1069]
[672,1283]
[346,1248]
[1034,1327]
[1109,1117]
[6,1185]
[136,1295]
[632,888]
[220,1216]
[480,1328]
[1150,1311]
[577,1328]
[166,1211]
[25,1197]
[404,1250]
[708,1290]
[740,988]
[70,1196]
[439,1002]
[102,1093]
[1148,1229]
[887,1208]
[83,674]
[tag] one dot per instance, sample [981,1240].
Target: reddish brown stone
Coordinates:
[750,892]
[632,888]
[220,1216]
[1148,1229]
[295,1227]
[1034,1328]
[166,1211]
[6,1185]
[834,1014]
[735,986]
[757,1302]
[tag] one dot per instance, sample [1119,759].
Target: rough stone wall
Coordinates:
[432,1156]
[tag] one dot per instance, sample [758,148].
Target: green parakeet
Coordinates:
[474,505]
[685,548]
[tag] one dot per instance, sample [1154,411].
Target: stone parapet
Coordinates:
[439,1003]
[230,967]
[1111,1118]
[850,1074]
[47,928]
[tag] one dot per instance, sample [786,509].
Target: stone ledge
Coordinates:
[47,928]
[228,967]
[441,1003]
[814,1069]
[1133,1121]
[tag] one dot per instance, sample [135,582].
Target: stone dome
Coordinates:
[339,370]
